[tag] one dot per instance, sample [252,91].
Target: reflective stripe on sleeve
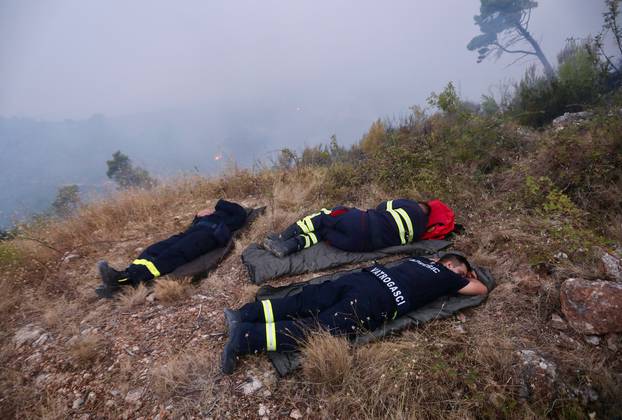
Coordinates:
[150,266]
[270,336]
[398,221]
[267,311]
[409,224]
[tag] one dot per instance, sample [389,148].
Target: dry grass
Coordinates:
[132,297]
[88,349]
[432,373]
[189,378]
[172,291]
[327,360]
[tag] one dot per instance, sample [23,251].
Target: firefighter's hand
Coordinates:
[204,212]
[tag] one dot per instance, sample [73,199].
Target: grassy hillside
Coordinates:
[539,206]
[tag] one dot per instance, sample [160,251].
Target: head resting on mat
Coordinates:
[456,263]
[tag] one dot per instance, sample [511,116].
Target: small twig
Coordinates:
[40,242]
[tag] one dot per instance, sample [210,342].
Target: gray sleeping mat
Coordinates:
[446,306]
[262,265]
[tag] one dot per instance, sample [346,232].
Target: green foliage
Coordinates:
[489,106]
[9,255]
[375,138]
[447,101]
[67,200]
[343,183]
[126,175]
[287,159]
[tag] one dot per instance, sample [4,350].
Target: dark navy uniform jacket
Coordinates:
[226,218]
[383,228]
[416,282]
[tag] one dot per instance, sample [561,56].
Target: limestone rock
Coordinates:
[592,307]
[538,376]
[612,266]
[251,386]
[27,334]
[558,323]
[295,414]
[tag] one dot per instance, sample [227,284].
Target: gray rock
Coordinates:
[295,414]
[612,266]
[558,323]
[134,396]
[263,410]
[592,339]
[77,403]
[27,334]
[614,341]
[252,386]
[538,376]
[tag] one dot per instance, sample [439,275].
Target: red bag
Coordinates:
[441,220]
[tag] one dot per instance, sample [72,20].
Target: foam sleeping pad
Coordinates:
[262,265]
[443,307]
[200,267]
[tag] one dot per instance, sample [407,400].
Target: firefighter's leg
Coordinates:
[171,253]
[312,299]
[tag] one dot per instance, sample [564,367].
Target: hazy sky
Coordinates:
[71,59]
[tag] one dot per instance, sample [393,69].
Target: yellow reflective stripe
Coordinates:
[123,280]
[302,225]
[394,315]
[152,268]
[307,241]
[313,238]
[270,336]
[398,221]
[267,311]
[409,223]
[306,224]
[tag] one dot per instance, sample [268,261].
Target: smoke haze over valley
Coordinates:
[176,87]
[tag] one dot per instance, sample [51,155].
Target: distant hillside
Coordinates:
[36,157]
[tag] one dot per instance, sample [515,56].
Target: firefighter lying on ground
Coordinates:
[208,231]
[360,301]
[394,222]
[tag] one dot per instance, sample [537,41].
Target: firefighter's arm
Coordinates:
[205,212]
[475,286]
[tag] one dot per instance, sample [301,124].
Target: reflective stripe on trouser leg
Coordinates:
[270,336]
[270,327]
[310,239]
[150,266]
[306,223]
[267,311]
[302,225]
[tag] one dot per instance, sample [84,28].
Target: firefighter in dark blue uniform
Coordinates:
[208,231]
[393,222]
[354,302]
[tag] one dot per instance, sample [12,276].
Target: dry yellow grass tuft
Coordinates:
[172,291]
[86,350]
[189,378]
[327,359]
[132,297]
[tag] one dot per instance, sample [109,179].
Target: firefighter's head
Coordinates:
[456,263]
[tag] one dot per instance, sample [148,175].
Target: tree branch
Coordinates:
[514,51]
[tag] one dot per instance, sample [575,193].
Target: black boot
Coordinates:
[229,356]
[282,248]
[232,317]
[112,280]
[290,232]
